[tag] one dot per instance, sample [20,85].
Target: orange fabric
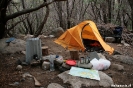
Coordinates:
[72,38]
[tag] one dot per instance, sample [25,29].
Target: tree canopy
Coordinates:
[30,16]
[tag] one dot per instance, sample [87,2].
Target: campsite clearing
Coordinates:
[9,75]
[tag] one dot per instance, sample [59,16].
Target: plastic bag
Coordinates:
[59,59]
[100,64]
[106,63]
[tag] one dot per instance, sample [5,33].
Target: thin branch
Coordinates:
[71,12]
[43,22]
[27,11]
[16,23]
[129,16]
[28,21]
[85,9]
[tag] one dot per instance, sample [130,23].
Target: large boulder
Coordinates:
[117,67]
[124,59]
[57,32]
[109,39]
[28,36]
[77,82]
[54,85]
[16,45]
[106,30]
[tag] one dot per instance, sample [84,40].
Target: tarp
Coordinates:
[73,37]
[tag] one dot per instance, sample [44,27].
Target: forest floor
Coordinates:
[9,74]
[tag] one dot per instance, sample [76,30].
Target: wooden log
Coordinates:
[45,51]
[74,54]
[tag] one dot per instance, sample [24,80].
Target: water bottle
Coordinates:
[51,64]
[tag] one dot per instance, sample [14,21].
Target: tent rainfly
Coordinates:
[73,38]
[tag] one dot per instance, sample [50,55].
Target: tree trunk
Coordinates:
[109,11]
[131,5]
[2,23]
[62,19]
[68,15]
[2,29]
[3,7]
[4,18]
[104,11]
[43,22]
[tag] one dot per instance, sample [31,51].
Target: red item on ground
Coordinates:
[95,44]
[71,62]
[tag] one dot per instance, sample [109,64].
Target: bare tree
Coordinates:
[131,5]
[6,17]
[71,12]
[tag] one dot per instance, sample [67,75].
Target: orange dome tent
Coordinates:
[73,37]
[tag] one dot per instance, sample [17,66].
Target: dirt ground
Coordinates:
[9,74]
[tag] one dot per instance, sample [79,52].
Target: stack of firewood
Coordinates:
[107,30]
[127,36]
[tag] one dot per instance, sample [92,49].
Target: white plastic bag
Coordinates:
[100,64]
[106,63]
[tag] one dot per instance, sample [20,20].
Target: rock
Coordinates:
[51,36]
[122,41]
[46,65]
[57,32]
[14,84]
[15,46]
[116,52]
[35,63]
[66,66]
[117,67]
[28,36]
[24,75]
[119,45]
[24,63]
[125,44]
[22,79]
[109,39]
[110,74]
[20,60]
[19,68]
[41,37]
[45,36]
[101,56]
[77,82]
[42,87]
[54,85]
[124,59]
[23,52]
[62,69]
[84,65]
